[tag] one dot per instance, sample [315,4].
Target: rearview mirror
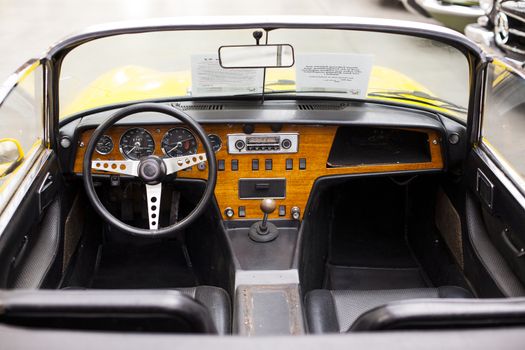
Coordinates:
[256,56]
[11,155]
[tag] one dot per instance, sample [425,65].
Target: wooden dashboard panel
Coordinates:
[315,143]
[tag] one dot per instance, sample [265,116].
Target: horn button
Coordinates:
[152,170]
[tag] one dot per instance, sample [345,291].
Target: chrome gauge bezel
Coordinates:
[112,145]
[221,142]
[125,132]
[178,128]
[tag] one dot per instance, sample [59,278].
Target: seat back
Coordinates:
[441,314]
[105,310]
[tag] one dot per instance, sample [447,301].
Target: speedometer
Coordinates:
[179,142]
[136,143]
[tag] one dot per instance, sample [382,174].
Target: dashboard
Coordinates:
[281,161]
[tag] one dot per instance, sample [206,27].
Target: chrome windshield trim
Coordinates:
[269,22]
[12,80]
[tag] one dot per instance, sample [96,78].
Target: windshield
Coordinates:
[328,62]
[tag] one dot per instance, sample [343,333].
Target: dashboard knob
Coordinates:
[239,144]
[286,143]
[296,213]
[229,212]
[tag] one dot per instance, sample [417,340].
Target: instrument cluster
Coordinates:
[136,143]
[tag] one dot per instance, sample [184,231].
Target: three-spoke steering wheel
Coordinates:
[152,170]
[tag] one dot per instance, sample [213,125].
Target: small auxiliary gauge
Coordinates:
[104,145]
[216,142]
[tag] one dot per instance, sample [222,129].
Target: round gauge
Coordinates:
[136,143]
[216,142]
[179,142]
[104,145]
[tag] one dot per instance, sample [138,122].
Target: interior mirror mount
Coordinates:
[256,56]
[11,155]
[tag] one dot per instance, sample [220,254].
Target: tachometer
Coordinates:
[104,145]
[179,142]
[136,143]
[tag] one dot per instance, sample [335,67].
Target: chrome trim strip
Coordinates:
[513,49]
[272,277]
[513,15]
[27,173]
[516,32]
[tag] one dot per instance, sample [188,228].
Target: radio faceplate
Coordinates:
[259,143]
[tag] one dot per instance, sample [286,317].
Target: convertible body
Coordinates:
[225,182]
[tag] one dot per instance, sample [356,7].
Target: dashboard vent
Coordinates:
[321,107]
[198,107]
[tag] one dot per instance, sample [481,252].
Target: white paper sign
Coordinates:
[210,79]
[344,73]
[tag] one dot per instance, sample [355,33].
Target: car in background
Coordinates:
[413,6]
[502,28]
[455,14]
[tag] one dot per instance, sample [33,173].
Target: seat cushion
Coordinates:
[217,301]
[331,311]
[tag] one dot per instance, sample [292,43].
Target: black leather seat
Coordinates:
[334,311]
[189,310]
[217,301]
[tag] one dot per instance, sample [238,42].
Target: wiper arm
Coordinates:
[420,97]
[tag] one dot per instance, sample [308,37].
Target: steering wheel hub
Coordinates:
[152,170]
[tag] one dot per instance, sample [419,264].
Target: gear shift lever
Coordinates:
[264,231]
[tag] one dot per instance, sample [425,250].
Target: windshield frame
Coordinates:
[59,51]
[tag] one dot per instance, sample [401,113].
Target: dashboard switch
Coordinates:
[242,211]
[220,165]
[235,164]
[302,163]
[268,164]
[289,164]
[255,164]
[282,210]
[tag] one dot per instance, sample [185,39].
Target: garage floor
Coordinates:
[28,27]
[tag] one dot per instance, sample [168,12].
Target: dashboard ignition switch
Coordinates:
[296,213]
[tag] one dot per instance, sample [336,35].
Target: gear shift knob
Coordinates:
[264,231]
[268,205]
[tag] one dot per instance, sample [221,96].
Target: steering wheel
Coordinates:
[152,170]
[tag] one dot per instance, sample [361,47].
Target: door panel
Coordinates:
[496,173]
[30,223]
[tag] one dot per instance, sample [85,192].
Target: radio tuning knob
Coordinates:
[286,143]
[239,144]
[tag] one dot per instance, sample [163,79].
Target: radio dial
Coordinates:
[286,144]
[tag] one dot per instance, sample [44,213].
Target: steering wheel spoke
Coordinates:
[124,167]
[153,195]
[180,163]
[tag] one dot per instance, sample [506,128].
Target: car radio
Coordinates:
[263,143]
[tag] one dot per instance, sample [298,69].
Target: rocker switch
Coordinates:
[235,164]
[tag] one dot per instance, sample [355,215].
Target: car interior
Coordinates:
[292,216]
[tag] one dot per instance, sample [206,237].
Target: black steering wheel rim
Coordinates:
[90,188]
